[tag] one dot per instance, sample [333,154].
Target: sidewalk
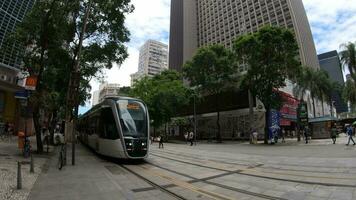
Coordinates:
[9,156]
[91,178]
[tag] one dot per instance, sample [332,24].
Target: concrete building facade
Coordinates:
[108,90]
[153,59]
[330,62]
[197,23]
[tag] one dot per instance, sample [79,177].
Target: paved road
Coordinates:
[318,170]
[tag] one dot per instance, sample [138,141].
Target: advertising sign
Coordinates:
[31,83]
[23,94]
[274,117]
[303,113]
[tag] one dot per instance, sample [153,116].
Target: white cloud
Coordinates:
[332,22]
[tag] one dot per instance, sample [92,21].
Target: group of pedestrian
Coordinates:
[159,139]
[189,136]
[349,133]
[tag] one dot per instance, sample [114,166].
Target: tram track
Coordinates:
[248,163]
[249,172]
[206,180]
[264,166]
[153,184]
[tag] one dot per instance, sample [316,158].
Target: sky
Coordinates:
[332,22]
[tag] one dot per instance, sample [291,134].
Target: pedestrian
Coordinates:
[191,138]
[151,137]
[333,133]
[306,133]
[349,133]
[160,140]
[254,136]
[186,137]
[283,133]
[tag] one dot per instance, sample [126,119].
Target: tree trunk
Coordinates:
[322,106]
[250,107]
[266,126]
[53,126]
[36,121]
[218,134]
[313,107]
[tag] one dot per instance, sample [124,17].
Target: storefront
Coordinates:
[9,105]
[288,120]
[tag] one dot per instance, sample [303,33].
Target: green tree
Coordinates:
[53,36]
[164,95]
[349,92]
[125,91]
[210,71]
[270,55]
[348,57]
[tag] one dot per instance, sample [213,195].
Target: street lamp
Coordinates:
[195,88]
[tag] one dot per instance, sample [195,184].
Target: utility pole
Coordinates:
[74,84]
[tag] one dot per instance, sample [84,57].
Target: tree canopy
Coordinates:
[164,95]
[51,35]
[210,71]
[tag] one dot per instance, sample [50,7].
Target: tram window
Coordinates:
[132,118]
[108,125]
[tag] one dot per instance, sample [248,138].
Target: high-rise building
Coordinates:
[12,13]
[196,23]
[330,62]
[153,59]
[107,90]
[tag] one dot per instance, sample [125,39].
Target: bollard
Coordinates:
[32,169]
[19,177]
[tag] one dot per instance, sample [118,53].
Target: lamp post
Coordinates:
[195,88]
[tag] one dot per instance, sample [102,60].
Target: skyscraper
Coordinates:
[330,62]
[153,59]
[12,13]
[196,23]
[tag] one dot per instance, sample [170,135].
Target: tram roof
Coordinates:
[108,98]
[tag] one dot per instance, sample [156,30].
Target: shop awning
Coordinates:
[322,119]
[6,86]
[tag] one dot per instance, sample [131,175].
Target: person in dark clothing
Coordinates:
[306,134]
[333,134]
[160,142]
[349,133]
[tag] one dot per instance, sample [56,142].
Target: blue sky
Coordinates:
[333,22]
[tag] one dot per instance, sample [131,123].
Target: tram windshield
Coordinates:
[132,118]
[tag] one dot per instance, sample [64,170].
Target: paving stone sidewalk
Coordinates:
[9,156]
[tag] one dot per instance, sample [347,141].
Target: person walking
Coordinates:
[191,138]
[254,136]
[283,134]
[160,142]
[186,137]
[333,133]
[350,133]
[306,134]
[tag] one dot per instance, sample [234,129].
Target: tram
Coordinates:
[118,127]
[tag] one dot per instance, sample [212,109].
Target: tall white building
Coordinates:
[153,59]
[105,90]
[95,98]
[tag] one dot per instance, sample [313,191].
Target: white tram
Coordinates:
[117,127]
